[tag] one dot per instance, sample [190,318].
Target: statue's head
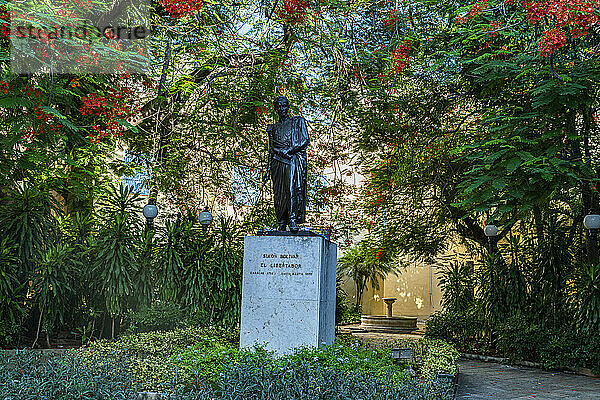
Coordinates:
[282,107]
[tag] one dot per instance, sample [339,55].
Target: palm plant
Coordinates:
[11,286]
[116,264]
[213,271]
[52,284]
[363,265]
[457,283]
[26,220]
[586,297]
[169,262]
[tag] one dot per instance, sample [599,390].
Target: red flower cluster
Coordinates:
[553,40]
[400,56]
[29,91]
[535,10]
[474,11]
[494,28]
[392,17]
[45,120]
[5,20]
[262,110]
[576,15]
[293,12]
[116,106]
[181,8]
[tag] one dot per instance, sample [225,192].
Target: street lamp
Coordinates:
[205,218]
[491,231]
[150,211]
[592,224]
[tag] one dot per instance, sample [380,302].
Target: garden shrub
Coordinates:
[256,375]
[347,314]
[193,358]
[463,329]
[33,376]
[162,316]
[430,356]
[440,358]
[521,339]
[300,378]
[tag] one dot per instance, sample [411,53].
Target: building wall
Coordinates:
[416,288]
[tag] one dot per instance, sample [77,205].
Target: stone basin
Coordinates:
[382,323]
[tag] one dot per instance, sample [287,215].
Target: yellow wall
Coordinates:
[417,295]
[415,288]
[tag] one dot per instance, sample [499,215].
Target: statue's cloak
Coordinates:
[290,175]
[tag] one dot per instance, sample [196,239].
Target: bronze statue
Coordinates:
[288,140]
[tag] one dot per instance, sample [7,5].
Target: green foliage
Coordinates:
[441,358]
[53,285]
[364,264]
[349,314]
[212,271]
[430,356]
[10,287]
[25,219]
[255,375]
[466,330]
[162,316]
[115,261]
[520,339]
[32,375]
[458,285]
[587,298]
[191,359]
[553,347]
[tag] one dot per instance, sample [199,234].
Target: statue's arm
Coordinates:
[305,139]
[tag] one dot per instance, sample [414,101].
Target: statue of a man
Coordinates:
[288,140]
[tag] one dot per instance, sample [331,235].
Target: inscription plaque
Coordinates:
[288,292]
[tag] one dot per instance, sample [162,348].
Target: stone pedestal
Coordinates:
[288,292]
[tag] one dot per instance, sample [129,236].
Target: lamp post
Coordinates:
[205,218]
[150,211]
[491,231]
[592,224]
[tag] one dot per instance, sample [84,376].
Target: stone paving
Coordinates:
[480,380]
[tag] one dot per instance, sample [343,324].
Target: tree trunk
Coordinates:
[37,333]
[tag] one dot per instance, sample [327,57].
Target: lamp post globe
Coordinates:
[491,231]
[592,224]
[592,221]
[150,211]
[205,218]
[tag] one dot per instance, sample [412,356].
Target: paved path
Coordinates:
[479,380]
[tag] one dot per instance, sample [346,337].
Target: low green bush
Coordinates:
[207,364]
[255,375]
[466,330]
[194,358]
[350,315]
[430,356]
[162,316]
[518,338]
[301,378]
[553,347]
[29,375]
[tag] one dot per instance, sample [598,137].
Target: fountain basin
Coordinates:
[381,323]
